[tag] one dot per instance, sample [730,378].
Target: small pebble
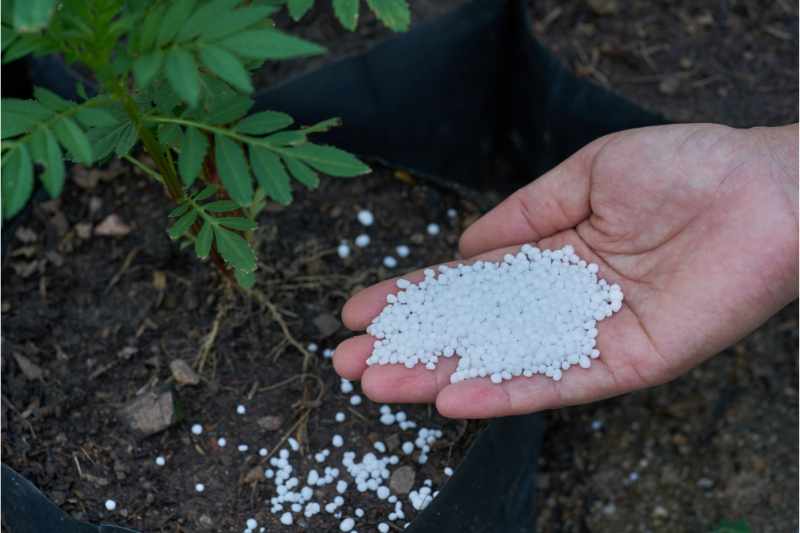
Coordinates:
[197,429]
[160,461]
[389,261]
[199,487]
[344,251]
[365,217]
[403,250]
[111,505]
[241,409]
[362,240]
[433,229]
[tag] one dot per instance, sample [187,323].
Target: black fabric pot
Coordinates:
[447,100]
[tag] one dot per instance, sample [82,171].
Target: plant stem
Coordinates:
[144,168]
[153,147]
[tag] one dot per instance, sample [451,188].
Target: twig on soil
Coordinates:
[124,268]
[208,343]
[278,350]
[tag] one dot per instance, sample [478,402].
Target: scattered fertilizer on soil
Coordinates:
[535,312]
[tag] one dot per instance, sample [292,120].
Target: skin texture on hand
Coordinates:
[698,224]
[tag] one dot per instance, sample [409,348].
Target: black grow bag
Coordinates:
[445,101]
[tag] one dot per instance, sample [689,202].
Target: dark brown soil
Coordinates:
[100,332]
[733,62]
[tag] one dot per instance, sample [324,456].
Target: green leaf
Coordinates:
[245,279]
[20,116]
[347,13]
[150,27]
[177,14]
[236,21]
[193,152]
[126,141]
[178,211]
[227,66]
[170,134]
[302,173]
[239,223]
[24,45]
[269,44]
[74,140]
[207,192]
[229,109]
[233,170]
[146,68]
[298,8]
[330,160]
[234,249]
[32,15]
[202,244]
[104,140]
[183,76]
[95,117]
[263,123]
[204,18]
[53,175]
[182,224]
[270,174]
[50,99]
[394,14]
[286,138]
[728,526]
[16,182]
[7,35]
[323,126]
[81,90]
[220,206]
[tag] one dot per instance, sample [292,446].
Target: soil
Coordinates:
[732,62]
[103,317]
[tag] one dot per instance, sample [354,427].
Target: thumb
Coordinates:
[557,201]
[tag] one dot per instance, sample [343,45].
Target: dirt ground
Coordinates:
[101,318]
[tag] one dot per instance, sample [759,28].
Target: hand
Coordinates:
[697,223]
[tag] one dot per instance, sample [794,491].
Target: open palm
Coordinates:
[697,223]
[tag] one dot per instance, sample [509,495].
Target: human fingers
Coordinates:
[557,201]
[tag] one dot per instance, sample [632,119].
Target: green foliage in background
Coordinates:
[174,77]
[729,526]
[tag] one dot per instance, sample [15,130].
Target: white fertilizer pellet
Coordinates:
[241,409]
[433,229]
[355,399]
[448,471]
[340,417]
[347,524]
[312,347]
[362,241]
[243,448]
[111,505]
[535,312]
[199,487]
[263,452]
[402,250]
[286,519]
[160,461]
[389,261]
[197,429]
[365,217]
[452,213]
[221,442]
[251,523]
[337,441]
[343,250]
[345,386]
